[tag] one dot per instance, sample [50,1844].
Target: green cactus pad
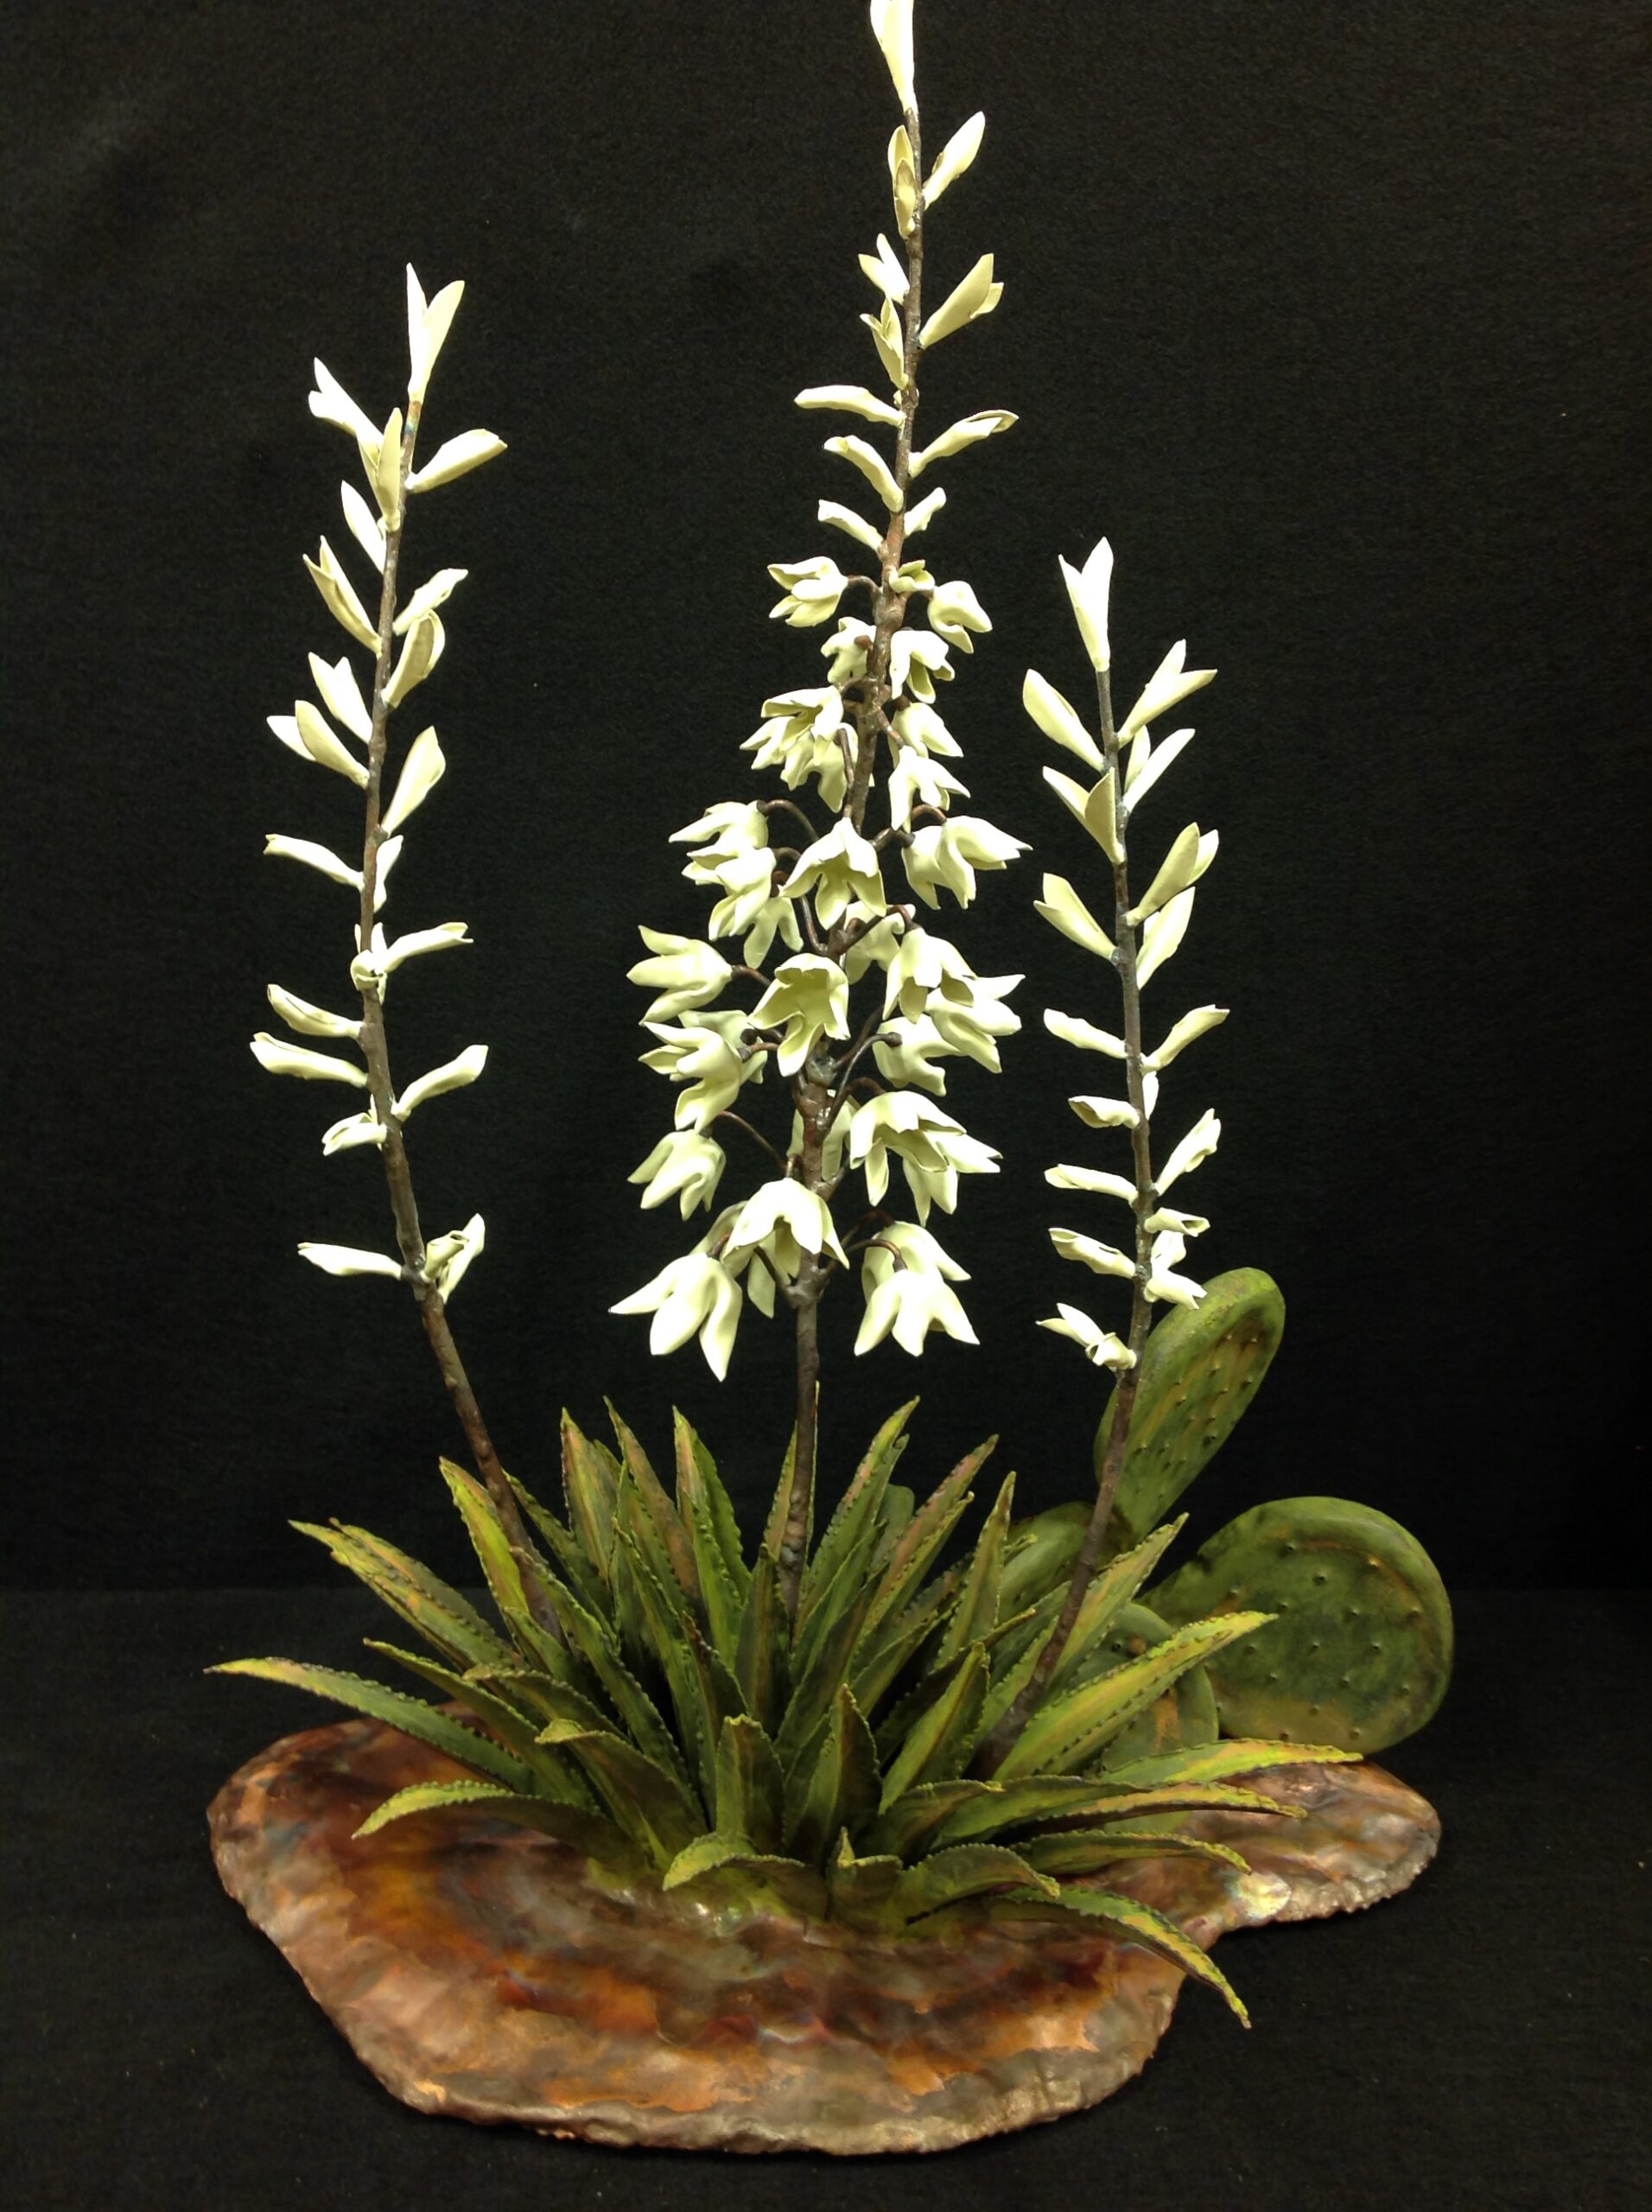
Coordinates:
[1200,1369]
[1361,1652]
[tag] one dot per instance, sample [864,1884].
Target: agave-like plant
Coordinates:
[675,1723]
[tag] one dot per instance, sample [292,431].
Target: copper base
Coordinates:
[486,1971]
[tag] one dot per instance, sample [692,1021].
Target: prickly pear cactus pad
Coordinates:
[1201,1368]
[1359,1651]
[488,1973]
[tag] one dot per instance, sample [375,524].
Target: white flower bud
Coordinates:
[279,1058]
[324,745]
[968,432]
[1195,1147]
[346,1260]
[313,856]
[1099,1345]
[1063,908]
[1089,588]
[955,156]
[976,295]
[339,595]
[1085,1034]
[1100,1259]
[452,1075]
[1182,1033]
[423,770]
[309,1021]
[1171,681]
[891,26]
[428,324]
[341,694]
[872,465]
[456,458]
[1055,716]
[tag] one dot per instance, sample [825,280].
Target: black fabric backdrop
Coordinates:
[1331,316]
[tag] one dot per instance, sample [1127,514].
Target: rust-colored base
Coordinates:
[483,1971]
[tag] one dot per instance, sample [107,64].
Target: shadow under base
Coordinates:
[486,1972]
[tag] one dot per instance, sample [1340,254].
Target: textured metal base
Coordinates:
[486,1971]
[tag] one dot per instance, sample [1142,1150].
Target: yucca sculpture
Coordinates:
[842,1718]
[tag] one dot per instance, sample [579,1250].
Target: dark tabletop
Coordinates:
[1481,2042]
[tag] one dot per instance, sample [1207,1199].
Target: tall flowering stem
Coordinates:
[859,1086]
[431,1268]
[1144,933]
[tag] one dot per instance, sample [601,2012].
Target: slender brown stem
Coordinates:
[1145,1202]
[409,1236]
[755,1133]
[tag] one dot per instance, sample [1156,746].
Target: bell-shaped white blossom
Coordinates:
[1170,682]
[456,458]
[916,780]
[428,324]
[977,295]
[836,869]
[805,733]
[341,694]
[1101,1259]
[1198,1023]
[955,613]
[915,724]
[686,1165]
[906,1304]
[955,157]
[891,26]
[1057,718]
[693,1296]
[803,1212]
[986,422]
[704,1056]
[1063,908]
[452,1075]
[872,465]
[684,970]
[278,1057]
[447,1259]
[906,1278]
[423,770]
[949,854]
[969,1019]
[338,595]
[1089,589]
[1195,1147]
[811,591]
[348,1260]
[1099,1345]
[807,999]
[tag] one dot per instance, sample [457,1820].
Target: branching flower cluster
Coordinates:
[867,1000]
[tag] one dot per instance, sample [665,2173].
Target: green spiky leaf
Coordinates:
[853,1528]
[1137,1923]
[663,1522]
[965,1871]
[762,1657]
[634,1789]
[597,1838]
[1087,1851]
[751,1790]
[703,1507]
[939,1743]
[840,1790]
[590,1479]
[1069,1730]
[975,1611]
[1211,1763]
[414,1718]
[448,1622]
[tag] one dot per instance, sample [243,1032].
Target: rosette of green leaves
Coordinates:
[675,1724]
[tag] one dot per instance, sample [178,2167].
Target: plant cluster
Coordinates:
[851,1724]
